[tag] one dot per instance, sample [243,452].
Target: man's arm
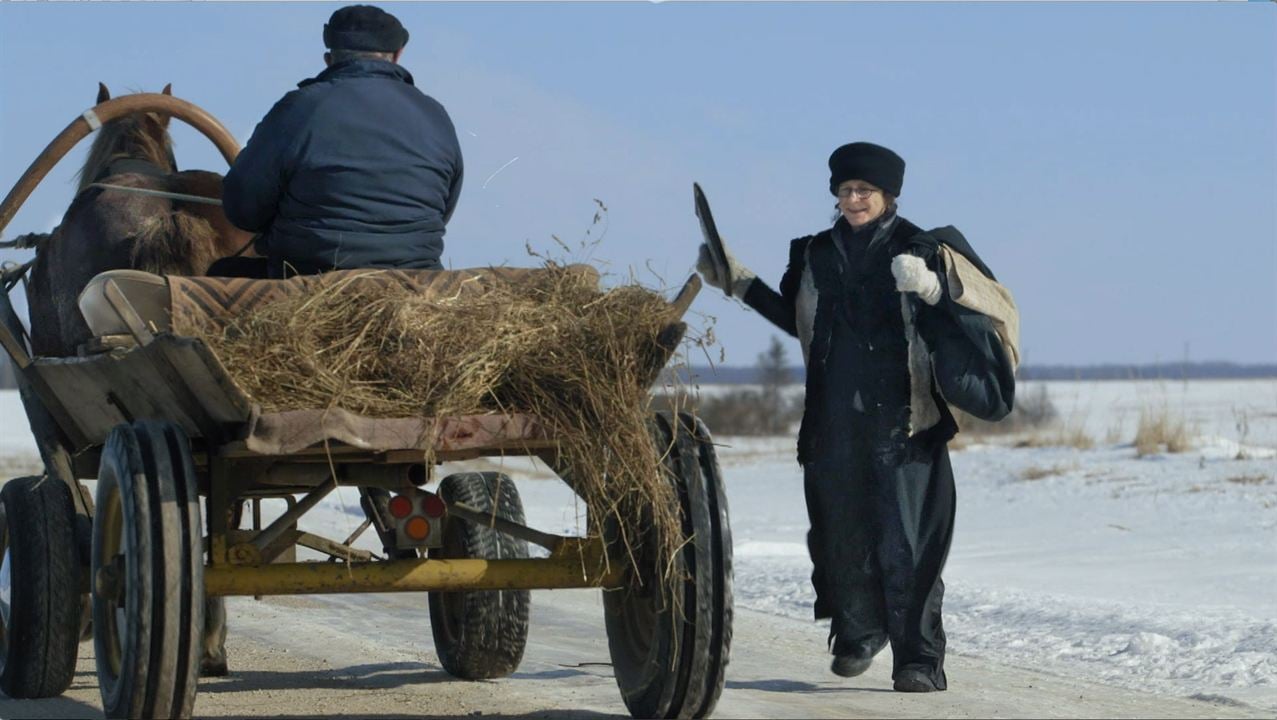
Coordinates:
[454,190]
[255,183]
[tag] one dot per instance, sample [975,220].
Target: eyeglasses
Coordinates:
[860,193]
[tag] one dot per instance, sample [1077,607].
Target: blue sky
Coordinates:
[1116,164]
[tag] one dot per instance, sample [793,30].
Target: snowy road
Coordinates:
[371,656]
[1082,582]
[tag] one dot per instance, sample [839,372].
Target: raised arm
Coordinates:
[777,307]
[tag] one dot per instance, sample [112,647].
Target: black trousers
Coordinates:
[261,268]
[241,267]
[881,507]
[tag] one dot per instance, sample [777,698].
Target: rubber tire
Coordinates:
[148,650]
[40,637]
[671,662]
[480,634]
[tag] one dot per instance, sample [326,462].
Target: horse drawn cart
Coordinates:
[176,448]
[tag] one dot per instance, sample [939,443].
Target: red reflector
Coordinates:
[400,506]
[432,505]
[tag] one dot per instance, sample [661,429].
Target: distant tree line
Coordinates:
[765,410]
[735,375]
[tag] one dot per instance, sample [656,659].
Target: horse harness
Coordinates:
[137,166]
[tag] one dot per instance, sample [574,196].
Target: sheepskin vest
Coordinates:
[846,282]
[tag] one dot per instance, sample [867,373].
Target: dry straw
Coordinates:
[551,345]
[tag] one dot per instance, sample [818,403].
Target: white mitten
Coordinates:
[913,276]
[716,275]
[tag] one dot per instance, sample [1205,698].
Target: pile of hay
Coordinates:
[555,346]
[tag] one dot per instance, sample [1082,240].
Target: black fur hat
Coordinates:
[364,27]
[874,164]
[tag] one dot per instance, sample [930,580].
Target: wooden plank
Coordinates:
[203,371]
[106,391]
[685,296]
[171,379]
[57,420]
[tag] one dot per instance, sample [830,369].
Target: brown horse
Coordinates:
[109,228]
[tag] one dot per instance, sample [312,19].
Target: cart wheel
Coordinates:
[148,573]
[39,588]
[480,634]
[669,661]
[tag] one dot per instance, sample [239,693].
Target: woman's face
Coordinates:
[860,203]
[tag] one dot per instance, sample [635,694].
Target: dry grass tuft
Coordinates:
[1159,428]
[1034,421]
[553,346]
[1038,472]
[1113,435]
[1257,479]
[1073,435]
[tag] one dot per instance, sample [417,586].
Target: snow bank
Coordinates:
[1151,573]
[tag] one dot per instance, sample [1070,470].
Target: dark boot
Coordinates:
[852,659]
[849,665]
[916,679]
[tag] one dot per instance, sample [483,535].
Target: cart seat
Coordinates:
[146,292]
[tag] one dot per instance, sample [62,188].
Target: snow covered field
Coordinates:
[1153,573]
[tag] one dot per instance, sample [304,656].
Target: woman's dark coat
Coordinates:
[966,360]
[883,369]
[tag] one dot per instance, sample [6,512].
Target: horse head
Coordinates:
[141,217]
[135,143]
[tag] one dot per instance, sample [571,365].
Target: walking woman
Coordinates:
[896,325]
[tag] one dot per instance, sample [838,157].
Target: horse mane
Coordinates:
[129,137]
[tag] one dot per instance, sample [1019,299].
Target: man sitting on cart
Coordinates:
[356,168]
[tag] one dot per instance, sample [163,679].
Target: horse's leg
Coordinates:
[213,658]
[66,262]
[57,465]
[46,329]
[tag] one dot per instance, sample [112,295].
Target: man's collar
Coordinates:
[361,68]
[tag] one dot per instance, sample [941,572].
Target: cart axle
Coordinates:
[575,565]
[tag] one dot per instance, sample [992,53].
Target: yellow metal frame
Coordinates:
[576,563]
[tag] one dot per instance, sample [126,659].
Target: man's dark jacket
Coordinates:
[355,168]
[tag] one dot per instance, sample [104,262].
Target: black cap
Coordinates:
[874,164]
[364,27]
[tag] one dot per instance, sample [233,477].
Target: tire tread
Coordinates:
[493,631]
[44,630]
[149,464]
[678,668]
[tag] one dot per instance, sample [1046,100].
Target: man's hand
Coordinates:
[716,275]
[912,275]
